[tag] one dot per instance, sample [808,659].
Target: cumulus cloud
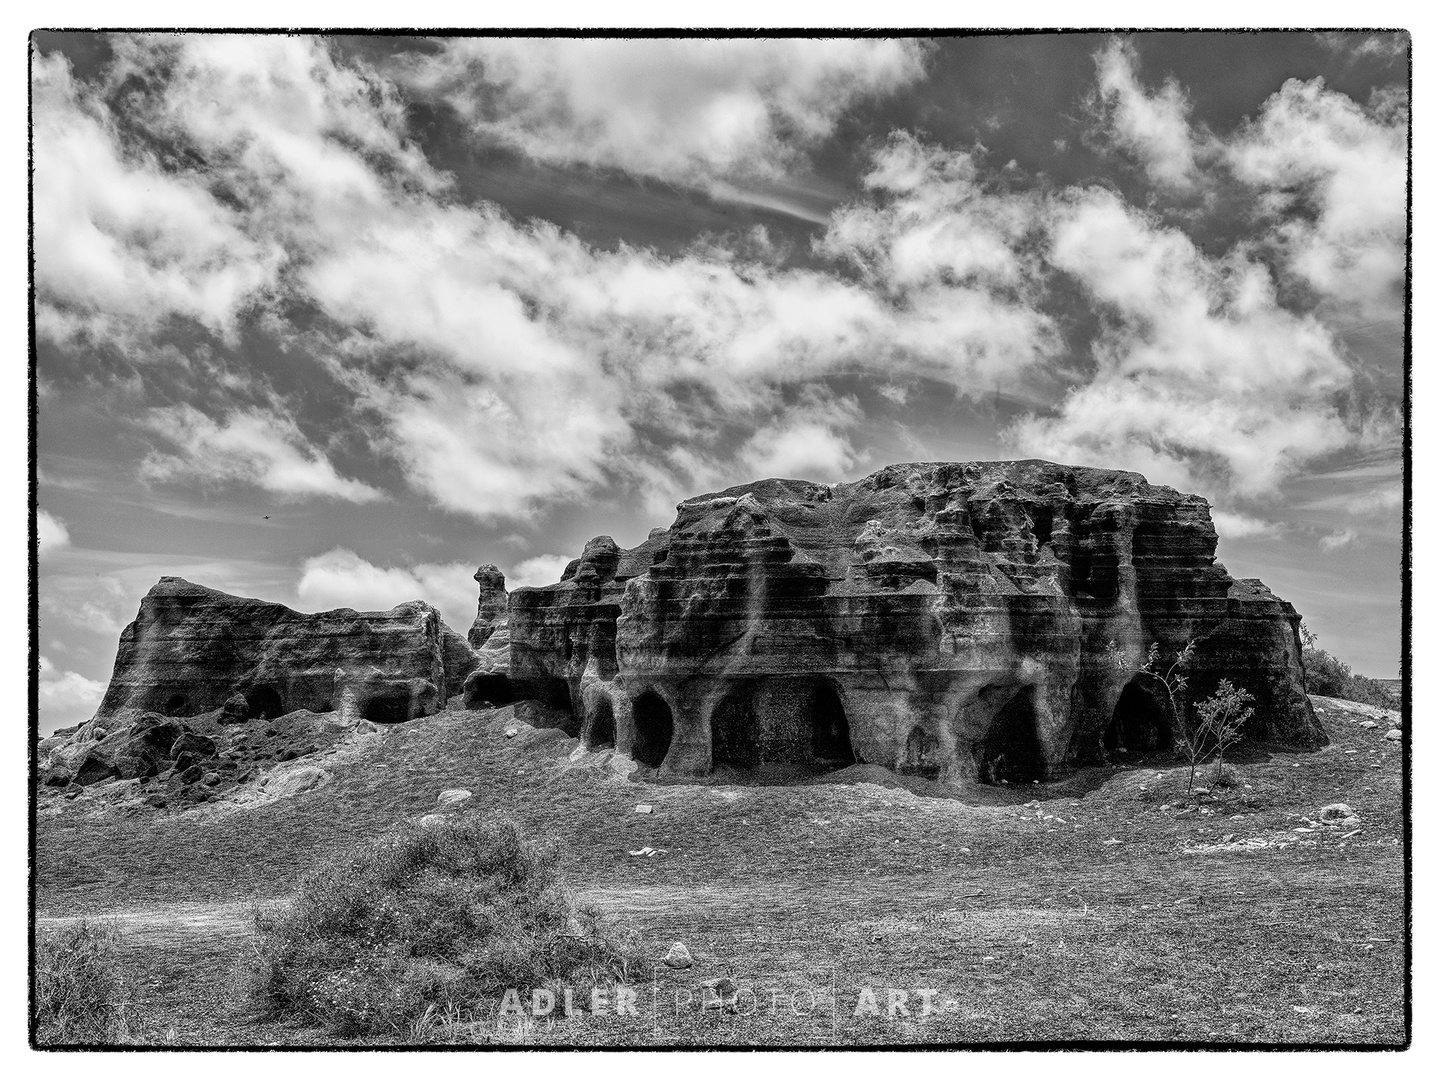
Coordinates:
[506,365]
[1155,127]
[685,111]
[122,242]
[340,578]
[66,697]
[1203,379]
[52,533]
[250,446]
[1332,175]
[805,442]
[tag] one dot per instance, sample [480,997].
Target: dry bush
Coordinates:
[80,987]
[426,921]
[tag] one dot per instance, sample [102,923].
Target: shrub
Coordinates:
[79,987]
[1330,676]
[1220,722]
[426,921]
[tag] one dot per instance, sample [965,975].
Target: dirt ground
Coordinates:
[1105,907]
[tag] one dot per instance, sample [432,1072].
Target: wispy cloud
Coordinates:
[53,534]
[255,447]
[1153,126]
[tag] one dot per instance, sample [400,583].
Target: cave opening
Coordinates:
[1011,751]
[602,725]
[176,705]
[265,703]
[495,689]
[829,729]
[735,729]
[1140,723]
[781,721]
[391,708]
[654,727]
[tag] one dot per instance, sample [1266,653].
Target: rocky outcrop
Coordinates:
[191,650]
[947,620]
[493,607]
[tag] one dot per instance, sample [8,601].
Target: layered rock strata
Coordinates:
[947,620]
[192,649]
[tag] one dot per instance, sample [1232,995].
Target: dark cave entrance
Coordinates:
[1141,721]
[1011,752]
[735,729]
[495,689]
[781,721]
[265,703]
[829,729]
[176,705]
[602,725]
[391,708]
[654,727]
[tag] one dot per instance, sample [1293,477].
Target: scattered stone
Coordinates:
[199,746]
[429,821]
[296,780]
[1340,815]
[1367,724]
[191,775]
[1112,840]
[644,808]
[1394,735]
[454,796]
[678,956]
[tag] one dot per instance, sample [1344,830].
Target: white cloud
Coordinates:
[687,111]
[805,442]
[1154,127]
[66,697]
[340,578]
[1332,175]
[1203,379]
[249,446]
[1232,525]
[121,242]
[1339,539]
[538,570]
[52,533]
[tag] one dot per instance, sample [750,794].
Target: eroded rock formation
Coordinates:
[948,620]
[192,649]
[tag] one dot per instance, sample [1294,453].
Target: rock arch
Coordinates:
[654,728]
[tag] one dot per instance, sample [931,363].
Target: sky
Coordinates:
[332,321]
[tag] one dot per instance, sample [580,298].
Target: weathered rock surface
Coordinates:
[191,650]
[493,607]
[944,620]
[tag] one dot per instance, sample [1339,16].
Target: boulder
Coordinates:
[294,781]
[454,797]
[1338,814]
[236,709]
[198,746]
[951,621]
[1394,734]
[678,956]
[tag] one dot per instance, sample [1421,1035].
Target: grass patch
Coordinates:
[80,989]
[427,921]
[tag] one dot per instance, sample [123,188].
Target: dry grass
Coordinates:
[80,990]
[1018,910]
